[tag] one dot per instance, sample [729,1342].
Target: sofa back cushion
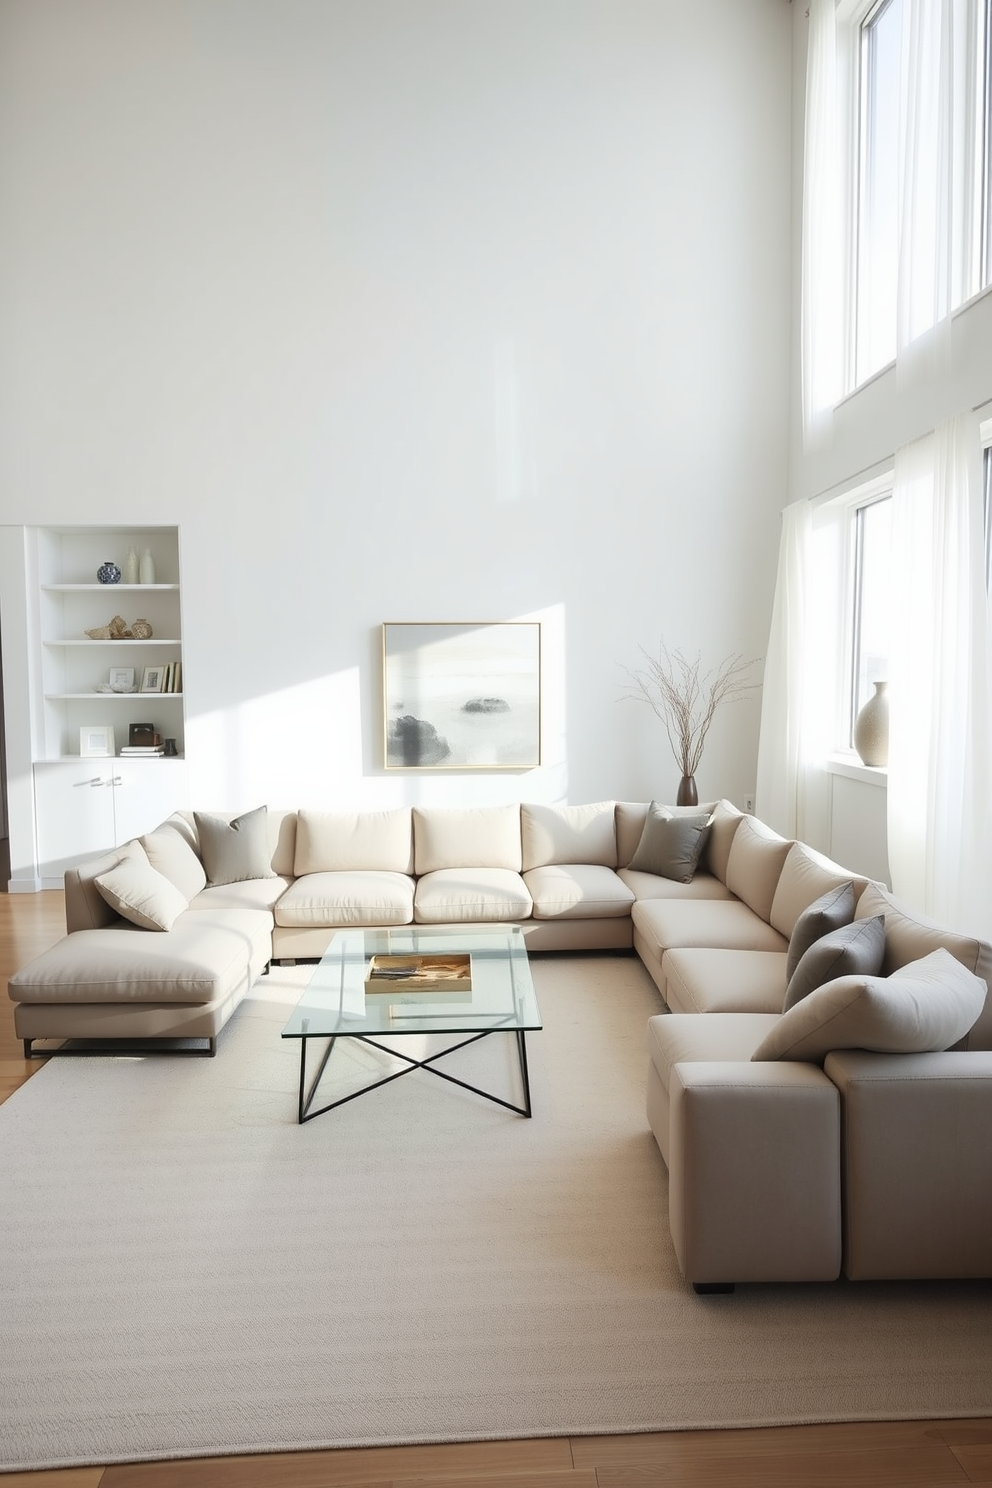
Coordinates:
[806,876]
[925,1006]
[568,834]
[85,906]
[480,837]
[754,865]
[354,841]
[723,830]
[909,935]
[170,853]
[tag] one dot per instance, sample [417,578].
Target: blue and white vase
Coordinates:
[108,573]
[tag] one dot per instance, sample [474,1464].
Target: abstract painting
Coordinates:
[462,696]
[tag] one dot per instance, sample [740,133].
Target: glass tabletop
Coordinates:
[494,961]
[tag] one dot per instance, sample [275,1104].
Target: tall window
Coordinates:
[878,188]
[871,607]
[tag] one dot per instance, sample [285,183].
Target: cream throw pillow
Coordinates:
[141,894]
[921,1008]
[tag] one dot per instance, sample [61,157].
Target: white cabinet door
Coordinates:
[83,807]
[146,791]
[74,813]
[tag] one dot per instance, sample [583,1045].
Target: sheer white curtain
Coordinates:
[779,796]
[930,163]
[939,799]
[823,225]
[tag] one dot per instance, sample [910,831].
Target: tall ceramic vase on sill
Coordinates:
[687,795]
[871,728]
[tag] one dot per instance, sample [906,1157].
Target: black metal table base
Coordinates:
[307,1113]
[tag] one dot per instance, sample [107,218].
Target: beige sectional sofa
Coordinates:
[847,1132]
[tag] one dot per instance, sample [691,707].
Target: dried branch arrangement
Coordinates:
[685,698]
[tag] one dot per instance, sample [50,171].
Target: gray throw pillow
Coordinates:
[832,910]
[671,845]
[857,949]
[233,851]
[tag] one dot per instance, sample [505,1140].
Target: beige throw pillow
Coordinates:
[850,950]
[141,894]
[234,851]
[925,1006]
[671,845]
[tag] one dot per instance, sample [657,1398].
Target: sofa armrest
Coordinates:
[754,1172]
[917,1163]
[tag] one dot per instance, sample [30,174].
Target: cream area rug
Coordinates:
[186,1271]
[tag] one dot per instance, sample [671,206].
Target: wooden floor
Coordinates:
[910,1454]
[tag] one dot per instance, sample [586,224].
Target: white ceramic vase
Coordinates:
[146,569]
[129,568]
[871,728]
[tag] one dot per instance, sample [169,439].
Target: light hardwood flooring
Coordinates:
[909,1454]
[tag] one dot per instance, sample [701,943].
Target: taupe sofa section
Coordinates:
[872,1164]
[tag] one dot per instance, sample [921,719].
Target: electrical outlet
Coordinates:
[749,804]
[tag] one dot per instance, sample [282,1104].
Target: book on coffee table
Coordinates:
[431,975]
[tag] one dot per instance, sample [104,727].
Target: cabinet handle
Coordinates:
[95,781]
[116,780]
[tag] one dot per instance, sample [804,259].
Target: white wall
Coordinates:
[408,310]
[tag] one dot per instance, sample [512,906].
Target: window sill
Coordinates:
[851,768]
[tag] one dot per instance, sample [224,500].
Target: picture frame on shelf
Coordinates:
[462,696]
[121,679]
[96,740]
[152,678]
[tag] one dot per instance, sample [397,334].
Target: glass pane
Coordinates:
[872,601]
[878,219]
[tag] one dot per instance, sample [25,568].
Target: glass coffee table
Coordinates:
[419,987]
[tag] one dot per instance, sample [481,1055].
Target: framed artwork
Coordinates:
[462,696]
[152,678]
[122,679]
[96,740]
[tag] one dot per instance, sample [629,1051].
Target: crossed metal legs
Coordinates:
[307,1113]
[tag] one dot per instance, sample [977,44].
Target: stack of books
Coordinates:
[142,750]
[173,679]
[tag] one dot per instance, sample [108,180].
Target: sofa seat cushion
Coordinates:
[726,924]
[465,894]
[721,981]
[252,893]
[651,886]
[674,1037]
[201,959]
[577,891]
[361,897]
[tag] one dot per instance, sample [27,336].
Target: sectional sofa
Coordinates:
[820,1084]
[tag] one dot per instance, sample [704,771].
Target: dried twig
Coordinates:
[685,698]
